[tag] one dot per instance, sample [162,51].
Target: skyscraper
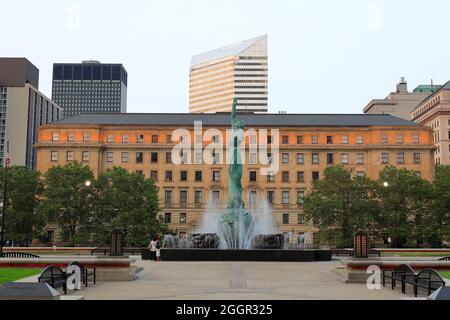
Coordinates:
[90,87]
[239,70]
[23,109]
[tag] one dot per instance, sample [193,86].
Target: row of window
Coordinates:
[168,218]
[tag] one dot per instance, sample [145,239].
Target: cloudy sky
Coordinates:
[324,56]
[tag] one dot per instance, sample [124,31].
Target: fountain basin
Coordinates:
[261,255]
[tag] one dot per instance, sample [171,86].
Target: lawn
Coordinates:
[445,274]
[13,274]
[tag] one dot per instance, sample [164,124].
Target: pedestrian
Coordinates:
[158,252]
[152,248]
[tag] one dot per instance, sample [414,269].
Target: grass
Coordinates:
[422,254]
[13,274]
[445,274]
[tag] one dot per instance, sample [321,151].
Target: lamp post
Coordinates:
[385,184]
[5,197]
[88,183]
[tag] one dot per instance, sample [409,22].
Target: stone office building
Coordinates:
[307,144]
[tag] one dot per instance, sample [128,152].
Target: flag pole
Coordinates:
[5,195]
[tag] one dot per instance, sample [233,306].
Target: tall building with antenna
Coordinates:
[239,70]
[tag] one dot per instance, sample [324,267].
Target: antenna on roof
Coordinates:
[431,82]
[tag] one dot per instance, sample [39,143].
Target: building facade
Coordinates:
[23,108]
[90,87]
[401,102]
[434,112]
[239,70]
[303,147]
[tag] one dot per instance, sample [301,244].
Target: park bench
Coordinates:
[18,255]
[447,258]
[342,252]
[55,277]
[399,274]
[427,279]
[105,251]
[85,273]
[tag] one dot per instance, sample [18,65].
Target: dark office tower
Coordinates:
[90,87]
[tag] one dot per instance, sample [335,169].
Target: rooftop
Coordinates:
[224,119]
[444,87]
[223,52]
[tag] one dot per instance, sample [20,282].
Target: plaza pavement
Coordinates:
[235,281]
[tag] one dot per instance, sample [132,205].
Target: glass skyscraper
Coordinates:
[90,87]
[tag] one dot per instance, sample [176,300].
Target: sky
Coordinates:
[324,56]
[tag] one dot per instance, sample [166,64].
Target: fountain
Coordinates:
[235,234]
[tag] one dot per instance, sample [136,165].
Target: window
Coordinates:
[70,137]
[344,158]
[86,137]
[416,157]
[55,137]
[300,158]
[360,174]
[400,158]
[183,198]
[359,139]
[198,139]
[139,157]
[285,218]
[70,156]
[168,218]
[300,219]
[360,158]
[140,172]
[300,176]
[168,176]
[300,197]
[285,176]
[124,157]
[183,175]
[384,138]
[154,175]
[252,197]
[329,139]
[155,138]
[418,174]
[198,176]
[270,197]
[215,197]
[125,138]
[169,157]
[285,197]
[384,158]
[253,176]
[182,218]
[109,156]
[216,176]
[315,175]
[140,138]
[270,177]
[415,138]
[299,139]
[198,158]
[198,197]
[154,157]
[285,157]
[110,138]
[315,158]
[330,158]
[168,138]
[399,139]
[54,156]
[252,158]
[216,139]
[85,156]
[285,139]
[269,139]
[315,139]
[344,139]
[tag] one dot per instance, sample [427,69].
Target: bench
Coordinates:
[427,279]
[106,251]
[85,272]
[55,277]
[342,252]
[399,274]
[18,255]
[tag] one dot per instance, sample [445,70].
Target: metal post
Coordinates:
[5,173]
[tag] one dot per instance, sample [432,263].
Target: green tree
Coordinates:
[129,202]
[23,188]
[66,199]
[437,221]
[404,203]
[340,205]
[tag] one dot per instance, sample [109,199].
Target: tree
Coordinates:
[23,187]
[340,205]
[403,204]
[437,221]
[127,201]
[66,198]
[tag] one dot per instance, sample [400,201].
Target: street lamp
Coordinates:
[385,184]
[88,183]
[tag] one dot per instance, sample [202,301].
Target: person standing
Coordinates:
[158,252]
[152,248]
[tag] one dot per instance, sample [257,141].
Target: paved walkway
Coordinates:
[236,280]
